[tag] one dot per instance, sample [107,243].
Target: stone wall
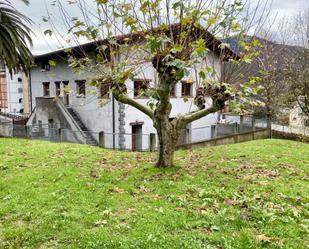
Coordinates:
[235,138]
[290,136]
[6,129]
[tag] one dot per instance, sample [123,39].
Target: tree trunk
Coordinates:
[168,131]
[166,152]
[168,137]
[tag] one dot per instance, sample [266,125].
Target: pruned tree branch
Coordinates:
[123,98]
[192,116]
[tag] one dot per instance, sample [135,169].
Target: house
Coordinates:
[14,102]
[63,100]
[297,116]
[14,92]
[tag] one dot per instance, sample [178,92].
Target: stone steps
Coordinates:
[89,139]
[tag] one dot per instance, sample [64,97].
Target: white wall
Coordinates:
[98,118]
[13,94]
[200,129]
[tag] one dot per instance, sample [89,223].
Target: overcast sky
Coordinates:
[44,44]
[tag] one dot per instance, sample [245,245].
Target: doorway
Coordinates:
[137,137]
[66,97]
[51,130]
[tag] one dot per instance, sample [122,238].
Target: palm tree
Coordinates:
[14,37]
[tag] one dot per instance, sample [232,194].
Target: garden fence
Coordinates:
[227,125]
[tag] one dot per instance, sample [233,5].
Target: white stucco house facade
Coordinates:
[14,94]
[80,109]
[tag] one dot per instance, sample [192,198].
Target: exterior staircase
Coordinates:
[89,138]
[17,117]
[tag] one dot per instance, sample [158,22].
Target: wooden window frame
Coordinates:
[45,67]
[80,88]
[66,95]
[58,88]
[46,89]
[184,93]
[144,85]
[104,90]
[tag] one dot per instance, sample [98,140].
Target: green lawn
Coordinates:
[248,195]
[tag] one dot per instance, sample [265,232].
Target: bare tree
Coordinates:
[289,63]
[297,69]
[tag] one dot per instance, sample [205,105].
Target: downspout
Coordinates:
[9,90]
[114,127]
[121,136]
[30,90]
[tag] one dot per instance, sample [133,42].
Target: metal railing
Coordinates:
[137,142]
[16,117]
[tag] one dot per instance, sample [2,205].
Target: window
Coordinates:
[20,90]
[66,91]
[45,67]
[3,91]
[57,86]
[2,66]
[186,88]
[19,79]
[65,85]
[104,90]
[81,87]
[140,86]
[46,91]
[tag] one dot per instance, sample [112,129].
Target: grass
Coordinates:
[248,195]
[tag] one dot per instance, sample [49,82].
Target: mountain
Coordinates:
[272,57]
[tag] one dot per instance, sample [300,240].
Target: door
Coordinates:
[51,130]
[137,137]
[66,97]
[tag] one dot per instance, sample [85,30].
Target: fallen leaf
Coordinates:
[262,238]
[143,189]
[106,212]
[214,228]
[159,210]
[206,230]
[179,209]
[242,189]
[94,174]
[117,190]
[100,223]
[157,197]
[262,183]
[231,202]
[131,210]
